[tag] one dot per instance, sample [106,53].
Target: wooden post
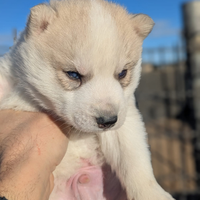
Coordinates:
[191,15]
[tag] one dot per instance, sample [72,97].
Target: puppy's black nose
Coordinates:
[106,122]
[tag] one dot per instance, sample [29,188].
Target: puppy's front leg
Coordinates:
[127,152]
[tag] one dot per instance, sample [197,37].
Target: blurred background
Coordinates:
[169,93]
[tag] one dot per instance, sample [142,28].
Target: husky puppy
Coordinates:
[81,60]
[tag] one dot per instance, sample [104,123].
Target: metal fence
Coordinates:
[162,100]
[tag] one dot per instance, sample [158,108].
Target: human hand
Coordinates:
[31,146]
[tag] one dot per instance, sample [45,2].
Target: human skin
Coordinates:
[31,146]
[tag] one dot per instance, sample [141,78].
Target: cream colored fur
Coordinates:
[98,39]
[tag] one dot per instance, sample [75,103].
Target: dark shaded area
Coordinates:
[112,187]
[187,197]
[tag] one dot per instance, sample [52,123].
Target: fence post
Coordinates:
[191,15]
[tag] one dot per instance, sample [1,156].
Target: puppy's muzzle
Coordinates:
[105,122]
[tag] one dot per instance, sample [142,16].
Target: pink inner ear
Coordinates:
[44,25]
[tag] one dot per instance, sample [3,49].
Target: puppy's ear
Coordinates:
[143,24]
[41,17]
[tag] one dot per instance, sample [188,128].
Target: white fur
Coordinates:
[99,46]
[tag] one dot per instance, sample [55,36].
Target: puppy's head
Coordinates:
[83,59]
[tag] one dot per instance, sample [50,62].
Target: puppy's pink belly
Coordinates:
[86,184]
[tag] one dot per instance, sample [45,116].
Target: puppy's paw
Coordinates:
[159,196]
[154,193]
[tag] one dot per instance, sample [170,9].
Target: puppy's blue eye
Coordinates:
[122,74]
[73,75]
